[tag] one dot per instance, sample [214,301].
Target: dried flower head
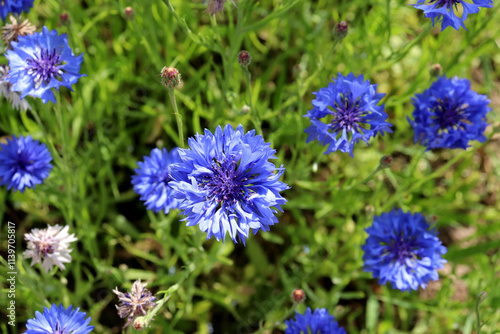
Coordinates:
[135,303]
[244,58]
[215,6]
[49,246]
[170,77]
[298,296]
[16,28]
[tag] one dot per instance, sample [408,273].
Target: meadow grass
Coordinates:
[120,111]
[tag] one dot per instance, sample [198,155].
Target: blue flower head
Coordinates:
[227,184]
[14,6]
[444,10]
[319,322]
[349,106]
[59,320]
[402,249]
[40,62]
[449,114]
[152,180]
[24,162]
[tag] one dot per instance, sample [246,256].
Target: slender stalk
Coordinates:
[255,115]
[178,117]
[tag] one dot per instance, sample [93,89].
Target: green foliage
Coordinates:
[120,111]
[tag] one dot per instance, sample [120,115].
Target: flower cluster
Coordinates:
[40,62]
[24,162]
[444,11]
[59,320]
[449,114]
[319,321]
[49,246]
[349,105]
[227,185]
[402,249]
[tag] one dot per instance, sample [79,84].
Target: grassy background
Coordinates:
[120,111]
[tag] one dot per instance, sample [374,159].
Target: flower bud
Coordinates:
[298,296]
[245,109]
[140,324]
[64,18]
[385,161]
[340,31]
[129,13]
[436,70]
[170,77]
[244,58]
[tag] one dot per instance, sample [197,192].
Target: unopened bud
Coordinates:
[170,77]
[436,70]
[340,30]
[298,296]
[129,13]
[245,109]
[385,161]
[244,58]
[481,296]
[140,324]
[64,18]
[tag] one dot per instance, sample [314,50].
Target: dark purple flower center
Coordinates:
[448,114]
[45,67]
[22,163]
[225,184]
[347,115]
[402,249]
[163,177]
[446,3]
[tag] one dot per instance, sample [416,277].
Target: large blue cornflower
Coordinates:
[349,105]
[442,10]
[449,114]
[14,6]
[319,322]
[152,180]
[227,184]
[40,62]
[24,162]
[402,249]
[58,320]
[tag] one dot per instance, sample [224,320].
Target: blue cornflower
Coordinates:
[442,10]
[402,249]
[227,184]
[319,322]
[14,6]
[350,106]
[152,180]
[449,114]
[24,162]
[58,320]
[40,62]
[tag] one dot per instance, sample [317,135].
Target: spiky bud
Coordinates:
[298,296]
[340,31]
[244,58]
[129,13]
[436,70]
[170,77]
[385,161]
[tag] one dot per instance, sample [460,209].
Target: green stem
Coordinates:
[479,299]
[178,117]
[181,22]
[255,115]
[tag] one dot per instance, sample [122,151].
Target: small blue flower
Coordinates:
[59,320]
[349,105]
[40,62]
[402,249]
[14,6]
[319,322]
[227,184]
[449,115]
[24,162]
[442,10]
[152,180]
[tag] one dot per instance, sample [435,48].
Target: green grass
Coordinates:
[120,111]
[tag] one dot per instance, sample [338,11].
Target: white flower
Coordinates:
[49,246]
[12,97]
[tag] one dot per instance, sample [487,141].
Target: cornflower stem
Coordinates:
[255,115]
[181,22]
[479,299]
[379,168]
[178,117]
